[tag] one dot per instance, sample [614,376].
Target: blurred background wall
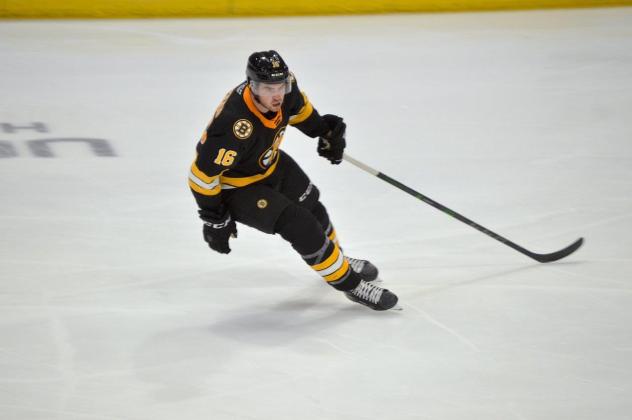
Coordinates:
[227,8]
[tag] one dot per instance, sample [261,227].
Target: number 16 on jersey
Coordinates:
[225,157]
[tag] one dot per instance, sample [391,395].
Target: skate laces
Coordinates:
[356,264]
[368,292]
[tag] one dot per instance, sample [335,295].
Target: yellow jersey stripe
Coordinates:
[198,173]
[207,185]
[205,191]
[242,182]
[304,113]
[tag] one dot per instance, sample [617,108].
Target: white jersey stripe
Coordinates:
[202,184]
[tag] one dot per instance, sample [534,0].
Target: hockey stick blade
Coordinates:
[558,255]
[543,258]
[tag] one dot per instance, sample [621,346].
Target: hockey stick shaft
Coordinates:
[538,257]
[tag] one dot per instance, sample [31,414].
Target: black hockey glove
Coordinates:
[332,144]
[217,230]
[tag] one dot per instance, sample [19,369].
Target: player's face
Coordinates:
[271,95]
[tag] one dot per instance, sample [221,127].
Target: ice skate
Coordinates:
[373,296]
[364,268]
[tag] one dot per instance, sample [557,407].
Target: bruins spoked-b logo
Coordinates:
[242,129]
[268,157]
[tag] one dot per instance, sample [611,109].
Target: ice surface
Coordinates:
[112,307]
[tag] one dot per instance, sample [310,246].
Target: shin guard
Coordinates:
[330,263]
[300,228]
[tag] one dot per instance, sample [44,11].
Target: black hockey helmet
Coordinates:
[267,67]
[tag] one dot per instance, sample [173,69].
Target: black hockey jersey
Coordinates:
[240,146]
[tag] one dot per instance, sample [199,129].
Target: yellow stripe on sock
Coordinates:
[329,261]
[339,273]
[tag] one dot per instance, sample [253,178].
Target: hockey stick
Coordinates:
[543,258]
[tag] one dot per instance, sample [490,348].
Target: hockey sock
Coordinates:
[330,263]
[320,213]
[330,232]
[301,229]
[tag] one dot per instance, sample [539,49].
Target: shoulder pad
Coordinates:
[240,89]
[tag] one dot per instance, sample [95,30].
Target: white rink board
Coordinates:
[112,307]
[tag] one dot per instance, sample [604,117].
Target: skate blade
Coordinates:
[397,307]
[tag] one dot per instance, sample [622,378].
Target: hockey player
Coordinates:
[241,175]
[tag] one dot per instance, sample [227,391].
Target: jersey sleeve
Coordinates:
[303,114]
[217,152]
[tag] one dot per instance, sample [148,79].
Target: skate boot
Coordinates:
[366,270]
[372,296]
